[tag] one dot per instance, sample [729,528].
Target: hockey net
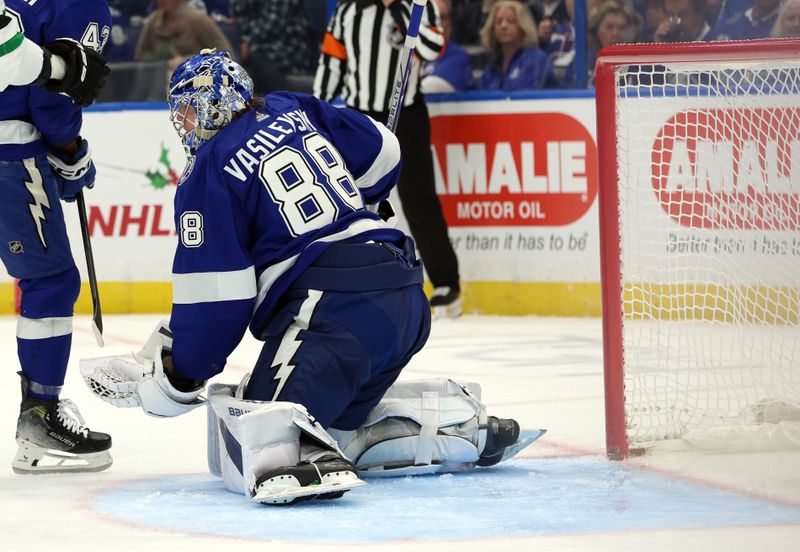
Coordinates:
[700,242]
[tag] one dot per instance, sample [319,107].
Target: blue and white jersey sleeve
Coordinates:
[20,58]
[370,152]
[214,281]
[56,116]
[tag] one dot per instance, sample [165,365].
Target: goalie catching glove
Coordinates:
[140,379]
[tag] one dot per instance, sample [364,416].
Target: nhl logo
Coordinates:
[15,247]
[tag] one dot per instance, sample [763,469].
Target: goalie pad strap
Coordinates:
[428,429]
[434,422]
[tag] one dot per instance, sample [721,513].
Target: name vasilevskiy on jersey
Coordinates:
[245,160]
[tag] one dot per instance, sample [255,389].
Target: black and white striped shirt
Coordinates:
[363,46]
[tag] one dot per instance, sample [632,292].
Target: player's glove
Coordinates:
[161,338]
[141,380]
[73,171]
[385,210]
[86,71]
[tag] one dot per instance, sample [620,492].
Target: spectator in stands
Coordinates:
[549,14]
[612,22]
[685,22]
[788,23]
[714,8]
[561,48]
[134,11]
[755,22]
[609,23]
[175,32]
[118,46]
[276,41]
[469,16]
[728,10]
[515,60]
[452,72]
[219,10]
[652,15]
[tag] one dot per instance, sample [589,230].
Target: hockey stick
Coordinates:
[384,208]
[404,67]
[97,316]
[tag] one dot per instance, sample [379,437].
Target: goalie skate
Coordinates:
[52,438]
[519,446]
[327,478]
[503,441]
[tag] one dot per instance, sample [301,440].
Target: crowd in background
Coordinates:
[491,44]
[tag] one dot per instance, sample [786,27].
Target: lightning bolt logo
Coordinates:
[290,342]
[40,201]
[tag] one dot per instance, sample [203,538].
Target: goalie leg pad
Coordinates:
[421,426]
[263,449]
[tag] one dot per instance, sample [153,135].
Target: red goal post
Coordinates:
[696,144]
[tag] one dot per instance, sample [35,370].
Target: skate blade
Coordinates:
[34,460]
[285,493]
[453,310]
[405,471]
[523,443]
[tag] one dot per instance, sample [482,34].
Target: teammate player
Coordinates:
[275,232]
[43,158]
[63,65]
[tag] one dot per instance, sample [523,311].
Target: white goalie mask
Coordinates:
[205,93]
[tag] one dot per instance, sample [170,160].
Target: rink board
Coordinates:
[513,178]
[526,497]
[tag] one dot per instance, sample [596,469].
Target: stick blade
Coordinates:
[98,334]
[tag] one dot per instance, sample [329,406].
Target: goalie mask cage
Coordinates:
[699,202]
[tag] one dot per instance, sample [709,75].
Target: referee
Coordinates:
[360,53]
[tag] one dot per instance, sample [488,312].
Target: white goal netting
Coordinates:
[709,222]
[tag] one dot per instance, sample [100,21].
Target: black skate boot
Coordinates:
[501,433]
[446,302]
[52,438]
[328,477]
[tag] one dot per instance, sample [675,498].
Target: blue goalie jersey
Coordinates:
[262,200]
[31,118]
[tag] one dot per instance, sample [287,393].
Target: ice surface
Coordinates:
[526,497]
[560,495]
